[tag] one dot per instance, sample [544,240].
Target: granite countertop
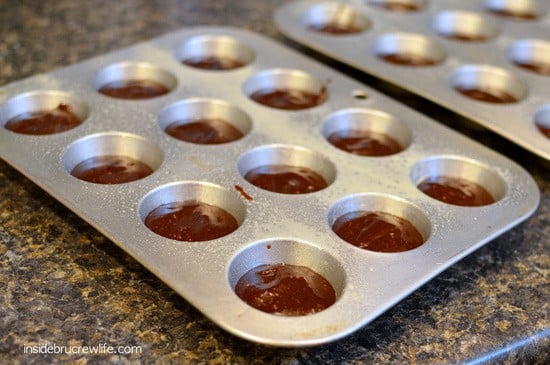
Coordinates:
[63,283]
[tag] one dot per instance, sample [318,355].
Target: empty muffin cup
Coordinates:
[515,9]
[286,89]
[542,120]
[531,54]
[192,211]
[111,158]
[400,6]
[286,169]
[366,132]
[464,26]
[215,53]
[458,181]
[335,19]
[43,112]
[380,223]
[133,81]
[204,121]
[488,84]
[286,277]
[408,49]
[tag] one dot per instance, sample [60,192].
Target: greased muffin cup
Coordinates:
[261,229]
[488,60]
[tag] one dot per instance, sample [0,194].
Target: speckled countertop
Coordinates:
[63,283]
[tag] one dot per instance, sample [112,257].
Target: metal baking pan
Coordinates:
[273,228]
[487,59]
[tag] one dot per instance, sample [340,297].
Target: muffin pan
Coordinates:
[435,48]
[272,228]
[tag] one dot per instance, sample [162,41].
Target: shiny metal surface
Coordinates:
[273,228]
[490,60]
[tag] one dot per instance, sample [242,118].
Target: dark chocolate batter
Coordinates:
[111,170]
[243,193]
[456,191]
[488,95]
[134,89]
[519,15]
[407,59]
[285,290]
[190,221]
[335,28]
[377,231]
[539,68]
[289,99]
[44,122]
[204,131]
[286,179]
[465,37]
[396,6]
[213,63]
[545,130]
[365,143]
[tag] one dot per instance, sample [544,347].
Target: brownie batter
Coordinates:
[286,179]
[44,122]
[190,221]
[539,68]
[465,37]
[289,99]
[213,63]
[407,59]
[285,290]
[244,194]
[488,95]
[545,130]
[365,143]
[335,28]
[109,169]
[204,131]
[377,231]
[519,15]
[134,89]
[456,191]
[396,6]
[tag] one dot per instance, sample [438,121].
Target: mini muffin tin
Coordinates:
[487,63]
[273,228]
